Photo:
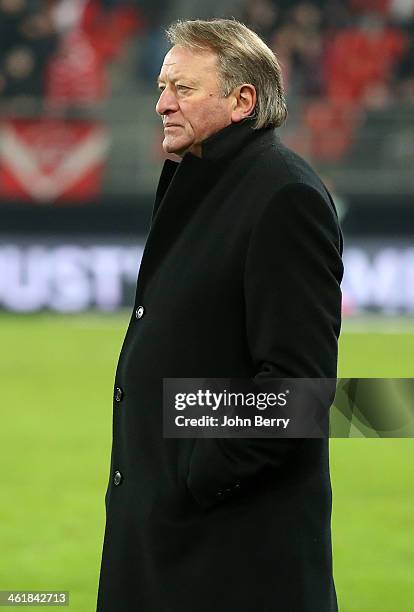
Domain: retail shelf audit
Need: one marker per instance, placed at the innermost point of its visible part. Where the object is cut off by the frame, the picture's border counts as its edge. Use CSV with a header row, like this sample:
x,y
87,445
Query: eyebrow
x,y
178,78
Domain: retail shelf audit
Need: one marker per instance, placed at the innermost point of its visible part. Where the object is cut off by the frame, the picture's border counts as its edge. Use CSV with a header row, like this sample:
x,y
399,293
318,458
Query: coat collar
x,y
219,147
182,185
229,141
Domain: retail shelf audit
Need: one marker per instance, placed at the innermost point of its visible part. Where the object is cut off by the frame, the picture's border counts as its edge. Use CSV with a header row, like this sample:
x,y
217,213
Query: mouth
x,y
171,125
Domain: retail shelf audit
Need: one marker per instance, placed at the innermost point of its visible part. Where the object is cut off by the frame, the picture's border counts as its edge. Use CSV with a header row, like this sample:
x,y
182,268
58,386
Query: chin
x,y
175,148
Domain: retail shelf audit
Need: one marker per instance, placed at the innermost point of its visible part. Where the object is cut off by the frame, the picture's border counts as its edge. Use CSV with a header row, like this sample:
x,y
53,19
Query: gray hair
x,y
243,57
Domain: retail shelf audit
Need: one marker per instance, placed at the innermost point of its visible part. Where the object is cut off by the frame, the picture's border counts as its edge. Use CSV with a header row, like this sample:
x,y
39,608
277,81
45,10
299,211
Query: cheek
x,y
207,118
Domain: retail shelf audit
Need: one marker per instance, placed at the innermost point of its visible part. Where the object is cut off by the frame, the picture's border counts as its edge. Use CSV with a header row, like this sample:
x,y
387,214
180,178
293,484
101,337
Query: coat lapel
x,y
181,188
166,177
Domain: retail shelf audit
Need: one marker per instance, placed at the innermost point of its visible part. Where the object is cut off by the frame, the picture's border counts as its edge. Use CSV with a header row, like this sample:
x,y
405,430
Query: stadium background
x,y
80,155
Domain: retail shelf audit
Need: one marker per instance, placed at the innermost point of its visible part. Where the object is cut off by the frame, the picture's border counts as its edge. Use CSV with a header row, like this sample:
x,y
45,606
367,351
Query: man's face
x,y
190,102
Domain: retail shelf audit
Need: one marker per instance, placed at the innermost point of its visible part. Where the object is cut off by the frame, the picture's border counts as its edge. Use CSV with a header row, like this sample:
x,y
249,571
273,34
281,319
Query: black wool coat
x,y
240,277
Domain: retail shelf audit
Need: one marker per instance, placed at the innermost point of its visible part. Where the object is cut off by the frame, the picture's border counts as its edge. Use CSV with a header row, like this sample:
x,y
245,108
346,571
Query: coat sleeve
x,y
292,298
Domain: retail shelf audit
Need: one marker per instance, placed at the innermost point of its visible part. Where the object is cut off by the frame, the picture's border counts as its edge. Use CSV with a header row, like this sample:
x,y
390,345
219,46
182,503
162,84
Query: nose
x,y
167,102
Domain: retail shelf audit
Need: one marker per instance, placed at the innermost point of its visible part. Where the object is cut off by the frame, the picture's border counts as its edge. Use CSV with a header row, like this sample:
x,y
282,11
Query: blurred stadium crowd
x,y
355,51
58,50
338,57
342,57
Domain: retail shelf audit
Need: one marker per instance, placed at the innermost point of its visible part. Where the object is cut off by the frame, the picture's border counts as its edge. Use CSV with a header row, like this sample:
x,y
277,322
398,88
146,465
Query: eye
x,y
182,87
161,88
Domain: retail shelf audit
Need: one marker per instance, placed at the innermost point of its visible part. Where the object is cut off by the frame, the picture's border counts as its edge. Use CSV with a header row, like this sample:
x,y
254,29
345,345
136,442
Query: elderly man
x,y
240,277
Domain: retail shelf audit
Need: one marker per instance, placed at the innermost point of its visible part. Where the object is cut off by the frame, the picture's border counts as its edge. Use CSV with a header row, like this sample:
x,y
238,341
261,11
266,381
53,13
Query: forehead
x,y
187,62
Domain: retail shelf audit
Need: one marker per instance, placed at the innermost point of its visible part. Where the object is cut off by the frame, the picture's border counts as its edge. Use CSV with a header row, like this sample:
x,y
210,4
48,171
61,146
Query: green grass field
x,y
56,398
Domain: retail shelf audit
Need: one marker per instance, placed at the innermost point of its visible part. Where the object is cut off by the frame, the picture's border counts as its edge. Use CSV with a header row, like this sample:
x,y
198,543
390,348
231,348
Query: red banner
x,y
45,160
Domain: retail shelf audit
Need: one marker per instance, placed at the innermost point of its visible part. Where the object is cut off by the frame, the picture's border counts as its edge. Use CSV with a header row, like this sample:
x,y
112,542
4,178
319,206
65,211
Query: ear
x,y
243,102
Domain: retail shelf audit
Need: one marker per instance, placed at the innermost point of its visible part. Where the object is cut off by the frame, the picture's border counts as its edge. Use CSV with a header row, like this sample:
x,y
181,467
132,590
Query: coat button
x,y
119,394
139,313
117,478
